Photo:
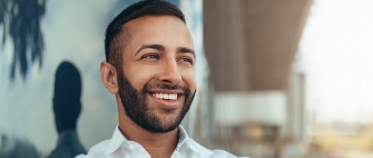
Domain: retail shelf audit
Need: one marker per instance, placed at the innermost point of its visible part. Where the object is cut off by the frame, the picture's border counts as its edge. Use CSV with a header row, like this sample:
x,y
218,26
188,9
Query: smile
x,y
167,99
168,96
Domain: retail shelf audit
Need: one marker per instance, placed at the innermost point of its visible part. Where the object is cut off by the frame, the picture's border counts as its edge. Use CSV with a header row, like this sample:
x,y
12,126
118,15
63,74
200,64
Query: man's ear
x,y
109,77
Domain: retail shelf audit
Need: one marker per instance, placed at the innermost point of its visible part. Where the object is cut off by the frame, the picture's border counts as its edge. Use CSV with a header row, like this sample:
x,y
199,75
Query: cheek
x,y
139,75
189,78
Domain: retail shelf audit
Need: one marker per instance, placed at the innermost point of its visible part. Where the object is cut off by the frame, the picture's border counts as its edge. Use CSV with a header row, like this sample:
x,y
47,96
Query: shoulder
x,y
195,149
97,150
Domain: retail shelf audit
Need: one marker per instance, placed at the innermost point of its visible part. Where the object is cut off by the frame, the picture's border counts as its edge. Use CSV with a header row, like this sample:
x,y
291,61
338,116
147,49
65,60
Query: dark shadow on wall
x,y
21,21
66,109
17,148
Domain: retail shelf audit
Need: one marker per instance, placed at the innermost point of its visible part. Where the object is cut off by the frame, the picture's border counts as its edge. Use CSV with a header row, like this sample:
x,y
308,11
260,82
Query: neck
x,y
156,144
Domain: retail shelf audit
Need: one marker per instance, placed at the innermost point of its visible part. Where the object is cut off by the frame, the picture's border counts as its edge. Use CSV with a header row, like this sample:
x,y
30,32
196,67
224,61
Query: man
x,y
150,70
66,109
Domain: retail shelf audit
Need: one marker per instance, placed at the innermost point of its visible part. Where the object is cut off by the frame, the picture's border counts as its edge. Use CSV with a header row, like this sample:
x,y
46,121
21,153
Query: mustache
x,y
165,86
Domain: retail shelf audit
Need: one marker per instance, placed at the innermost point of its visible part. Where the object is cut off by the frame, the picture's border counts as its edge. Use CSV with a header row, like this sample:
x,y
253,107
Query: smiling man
x,y
150,68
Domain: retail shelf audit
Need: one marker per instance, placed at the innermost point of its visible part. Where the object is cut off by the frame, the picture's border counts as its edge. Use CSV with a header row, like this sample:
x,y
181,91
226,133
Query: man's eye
x,y
150,56
185,59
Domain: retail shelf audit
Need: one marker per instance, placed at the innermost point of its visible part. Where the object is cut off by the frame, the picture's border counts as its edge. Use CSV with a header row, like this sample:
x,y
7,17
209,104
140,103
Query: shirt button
x,y
131,146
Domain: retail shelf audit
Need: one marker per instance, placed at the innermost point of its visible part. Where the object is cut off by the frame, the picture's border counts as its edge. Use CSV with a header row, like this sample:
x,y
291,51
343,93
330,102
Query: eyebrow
x,y
152,46
162,48
186,50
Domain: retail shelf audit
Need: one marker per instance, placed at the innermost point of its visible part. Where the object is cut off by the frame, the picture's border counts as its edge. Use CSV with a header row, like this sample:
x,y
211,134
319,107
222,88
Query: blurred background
x,y
276,78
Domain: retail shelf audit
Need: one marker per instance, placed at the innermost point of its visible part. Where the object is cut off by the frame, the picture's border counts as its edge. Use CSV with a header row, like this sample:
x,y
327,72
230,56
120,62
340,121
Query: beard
x,y
151,118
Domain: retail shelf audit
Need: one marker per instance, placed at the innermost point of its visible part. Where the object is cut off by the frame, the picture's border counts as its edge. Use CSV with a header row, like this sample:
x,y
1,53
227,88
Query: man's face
x,y
158,82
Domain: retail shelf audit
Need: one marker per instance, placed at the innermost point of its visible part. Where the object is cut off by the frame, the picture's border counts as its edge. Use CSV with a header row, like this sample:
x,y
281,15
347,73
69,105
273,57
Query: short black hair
x,y
117,36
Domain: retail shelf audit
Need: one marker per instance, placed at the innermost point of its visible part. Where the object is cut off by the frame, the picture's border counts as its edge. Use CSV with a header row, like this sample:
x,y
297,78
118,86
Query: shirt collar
x,y
183,136
115,141
118,138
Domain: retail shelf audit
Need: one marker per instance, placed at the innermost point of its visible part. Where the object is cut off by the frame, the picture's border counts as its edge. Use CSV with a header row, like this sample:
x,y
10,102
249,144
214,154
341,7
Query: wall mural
x,y
28,42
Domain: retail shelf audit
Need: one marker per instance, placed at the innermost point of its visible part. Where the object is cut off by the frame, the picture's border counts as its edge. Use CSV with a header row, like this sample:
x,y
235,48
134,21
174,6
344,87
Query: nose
x,y
170,73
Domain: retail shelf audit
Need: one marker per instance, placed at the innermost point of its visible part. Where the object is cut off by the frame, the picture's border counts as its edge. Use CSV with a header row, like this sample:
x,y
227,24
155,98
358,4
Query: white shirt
x,y
120,147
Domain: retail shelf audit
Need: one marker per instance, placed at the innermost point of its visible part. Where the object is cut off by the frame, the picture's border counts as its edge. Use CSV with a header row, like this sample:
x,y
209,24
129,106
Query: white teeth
x,y
174,96
165,96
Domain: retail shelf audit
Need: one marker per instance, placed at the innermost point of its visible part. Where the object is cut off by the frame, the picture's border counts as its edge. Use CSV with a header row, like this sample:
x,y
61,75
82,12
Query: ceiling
x,y
250,44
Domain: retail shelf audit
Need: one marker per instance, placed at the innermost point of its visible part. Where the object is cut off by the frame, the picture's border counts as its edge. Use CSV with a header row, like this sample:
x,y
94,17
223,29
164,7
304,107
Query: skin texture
x,y
172,65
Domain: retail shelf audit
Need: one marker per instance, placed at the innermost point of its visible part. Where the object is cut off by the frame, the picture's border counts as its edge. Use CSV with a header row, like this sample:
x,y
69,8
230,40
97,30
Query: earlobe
x,y
109,77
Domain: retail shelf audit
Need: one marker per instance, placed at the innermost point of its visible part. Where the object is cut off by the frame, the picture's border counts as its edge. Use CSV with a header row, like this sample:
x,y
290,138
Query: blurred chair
x,y
66,108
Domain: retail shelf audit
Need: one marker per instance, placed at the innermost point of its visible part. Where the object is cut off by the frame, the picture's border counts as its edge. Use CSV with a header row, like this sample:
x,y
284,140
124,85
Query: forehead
x,y
168,31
